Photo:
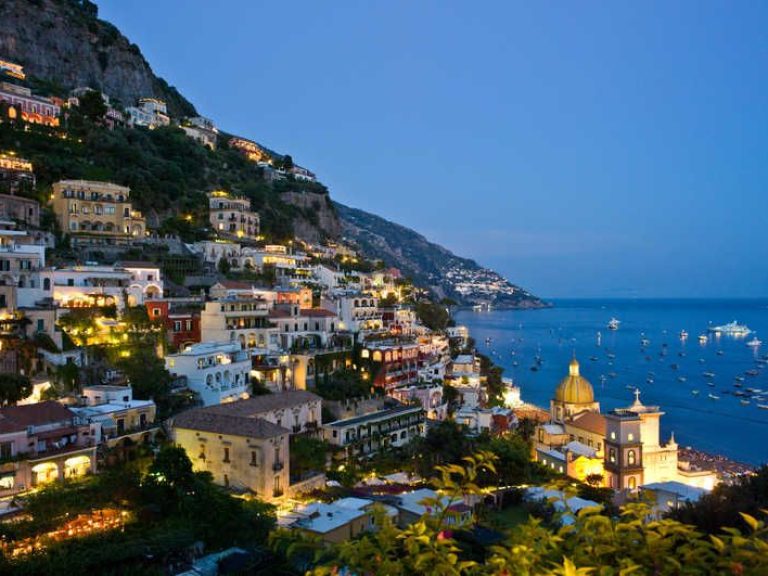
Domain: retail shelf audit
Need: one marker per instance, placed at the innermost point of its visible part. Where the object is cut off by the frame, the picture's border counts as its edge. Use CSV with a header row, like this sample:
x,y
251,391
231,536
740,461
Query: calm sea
x,y
619,363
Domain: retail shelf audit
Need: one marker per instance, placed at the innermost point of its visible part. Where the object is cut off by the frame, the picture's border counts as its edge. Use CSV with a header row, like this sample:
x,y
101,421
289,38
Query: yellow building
x,y
242,452
623,446
232,215
96,213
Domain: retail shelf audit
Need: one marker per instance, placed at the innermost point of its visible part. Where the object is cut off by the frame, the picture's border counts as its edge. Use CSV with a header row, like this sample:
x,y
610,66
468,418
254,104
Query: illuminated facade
x,y
250,150
16,174
201,130
239,319
22,105
217,372
232,215
392,365
96,213
40,444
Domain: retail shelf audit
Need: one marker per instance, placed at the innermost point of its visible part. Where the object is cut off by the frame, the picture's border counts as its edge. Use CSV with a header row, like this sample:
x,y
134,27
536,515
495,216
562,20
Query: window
x,y
150,277
630,437
6,449
226,453
631,457
253,458
110,210
202,452
155,311
612,455
177,325
613,435
40,325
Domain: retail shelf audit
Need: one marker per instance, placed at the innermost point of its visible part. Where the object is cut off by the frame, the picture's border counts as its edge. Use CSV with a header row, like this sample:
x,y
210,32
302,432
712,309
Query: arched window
x,y
632,483
631,457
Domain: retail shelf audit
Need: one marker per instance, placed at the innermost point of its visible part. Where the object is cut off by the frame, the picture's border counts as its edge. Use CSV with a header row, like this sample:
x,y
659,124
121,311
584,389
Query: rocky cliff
x,y
63,45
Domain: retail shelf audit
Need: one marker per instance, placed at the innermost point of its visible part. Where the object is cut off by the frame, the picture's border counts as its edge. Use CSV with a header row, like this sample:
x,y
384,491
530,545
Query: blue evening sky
x,y
579,148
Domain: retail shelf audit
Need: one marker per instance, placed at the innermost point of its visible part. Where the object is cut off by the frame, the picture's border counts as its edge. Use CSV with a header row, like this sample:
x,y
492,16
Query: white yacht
x,y
703,338
731,329
613,324
754,343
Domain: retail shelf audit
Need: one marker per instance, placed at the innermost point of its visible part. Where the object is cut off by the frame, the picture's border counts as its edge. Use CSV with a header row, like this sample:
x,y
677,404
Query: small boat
x,y
738,384
612,374
674,366
613,324
683,335
515,363
681,354
649,380
754,343
711,384
739,378
611,356
701,360
703,338
534,368
708,374
695,392
644,342
629,387
763,406
744,402
594,358
682,379
752,372
720,352
713,397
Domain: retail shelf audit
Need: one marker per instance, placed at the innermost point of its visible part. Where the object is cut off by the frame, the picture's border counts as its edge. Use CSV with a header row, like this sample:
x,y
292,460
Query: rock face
x,y
316,217
64,44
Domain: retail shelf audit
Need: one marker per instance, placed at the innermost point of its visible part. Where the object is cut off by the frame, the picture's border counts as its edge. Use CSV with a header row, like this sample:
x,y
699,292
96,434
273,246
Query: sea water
x,y
616,363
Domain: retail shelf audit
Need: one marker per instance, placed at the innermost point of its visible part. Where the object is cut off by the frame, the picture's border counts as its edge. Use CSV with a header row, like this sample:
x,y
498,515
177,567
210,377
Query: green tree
x,y
13,388
92,106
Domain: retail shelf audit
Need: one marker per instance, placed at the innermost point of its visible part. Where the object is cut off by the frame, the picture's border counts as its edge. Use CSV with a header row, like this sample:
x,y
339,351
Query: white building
x,y
218,372
364,435
243,320
358,312
429,396
113,413
201,130
150,112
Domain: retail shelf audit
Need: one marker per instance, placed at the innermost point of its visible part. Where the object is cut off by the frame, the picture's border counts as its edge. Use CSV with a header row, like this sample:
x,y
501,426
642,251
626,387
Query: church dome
x,y
574,388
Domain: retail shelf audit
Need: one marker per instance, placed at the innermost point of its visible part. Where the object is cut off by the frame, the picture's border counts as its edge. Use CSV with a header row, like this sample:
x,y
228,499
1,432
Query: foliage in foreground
x,y
594,544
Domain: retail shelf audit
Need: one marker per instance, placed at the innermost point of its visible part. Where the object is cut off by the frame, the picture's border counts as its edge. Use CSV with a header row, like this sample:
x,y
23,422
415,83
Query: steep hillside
x,y
430,264
63,45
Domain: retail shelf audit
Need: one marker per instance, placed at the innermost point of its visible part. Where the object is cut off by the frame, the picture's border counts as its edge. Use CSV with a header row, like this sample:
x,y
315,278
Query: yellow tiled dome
x,y
574,388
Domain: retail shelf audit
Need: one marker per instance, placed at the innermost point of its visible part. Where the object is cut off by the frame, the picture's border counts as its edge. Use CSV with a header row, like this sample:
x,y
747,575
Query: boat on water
x,y
713,397
752,372
682,379
708,374
763,406
695,392
720,352
739,378
594,358
613,324
754,343
744,402
644,342
703,338
731,329
683,335
674,366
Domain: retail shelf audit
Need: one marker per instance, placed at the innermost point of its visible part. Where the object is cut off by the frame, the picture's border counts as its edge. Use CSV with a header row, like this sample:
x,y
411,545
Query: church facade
x,y
621,449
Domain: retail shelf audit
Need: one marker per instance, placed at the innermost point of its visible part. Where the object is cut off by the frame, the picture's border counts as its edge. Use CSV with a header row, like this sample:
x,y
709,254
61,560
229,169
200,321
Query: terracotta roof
x,y
252,407
589,421
235,284
205,421
17,418
137,264
279,313
317,313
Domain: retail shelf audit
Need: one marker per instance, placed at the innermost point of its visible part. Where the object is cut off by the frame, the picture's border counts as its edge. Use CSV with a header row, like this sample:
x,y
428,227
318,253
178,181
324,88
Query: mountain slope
x,y
63,45
429,264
